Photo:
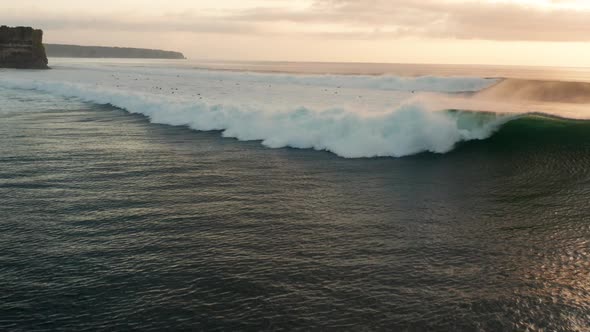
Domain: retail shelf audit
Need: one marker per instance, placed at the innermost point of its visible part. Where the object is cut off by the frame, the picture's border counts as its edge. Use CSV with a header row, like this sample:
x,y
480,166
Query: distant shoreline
x,y
77,51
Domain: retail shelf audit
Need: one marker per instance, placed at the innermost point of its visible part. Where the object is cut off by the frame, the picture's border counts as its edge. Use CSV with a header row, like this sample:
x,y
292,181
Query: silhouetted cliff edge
x,y
75,51
22,47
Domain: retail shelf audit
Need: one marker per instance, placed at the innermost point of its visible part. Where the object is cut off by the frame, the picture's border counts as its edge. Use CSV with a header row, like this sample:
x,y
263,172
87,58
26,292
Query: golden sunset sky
x,y
520,32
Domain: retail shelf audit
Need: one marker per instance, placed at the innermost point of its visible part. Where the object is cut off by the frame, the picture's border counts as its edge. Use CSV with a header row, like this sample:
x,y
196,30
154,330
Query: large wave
x,y
405,130
351,116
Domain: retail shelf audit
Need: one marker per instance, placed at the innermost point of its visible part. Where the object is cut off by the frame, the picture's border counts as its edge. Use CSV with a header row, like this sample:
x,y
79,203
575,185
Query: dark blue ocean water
x,y
109,222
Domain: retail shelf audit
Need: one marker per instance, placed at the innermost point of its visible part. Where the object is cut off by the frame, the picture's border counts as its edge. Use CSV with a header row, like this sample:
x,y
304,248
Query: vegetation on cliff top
x,y
75,51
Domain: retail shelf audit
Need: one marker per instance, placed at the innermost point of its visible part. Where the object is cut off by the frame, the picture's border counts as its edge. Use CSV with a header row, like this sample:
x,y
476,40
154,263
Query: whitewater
x,y
352,116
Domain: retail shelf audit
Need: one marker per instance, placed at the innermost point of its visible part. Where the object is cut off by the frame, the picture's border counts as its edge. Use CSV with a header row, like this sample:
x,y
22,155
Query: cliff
x,y
75,51
22,47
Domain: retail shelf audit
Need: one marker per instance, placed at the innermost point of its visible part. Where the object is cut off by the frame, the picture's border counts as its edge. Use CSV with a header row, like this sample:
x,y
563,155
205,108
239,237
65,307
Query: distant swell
x,y
376,82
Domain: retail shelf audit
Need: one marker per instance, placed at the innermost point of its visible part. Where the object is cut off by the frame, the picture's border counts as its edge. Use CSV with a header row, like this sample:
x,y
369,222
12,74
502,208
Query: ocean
x,y
176,195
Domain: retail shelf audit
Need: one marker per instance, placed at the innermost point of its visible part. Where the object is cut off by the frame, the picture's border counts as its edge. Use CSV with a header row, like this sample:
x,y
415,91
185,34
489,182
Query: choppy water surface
x,y
111,222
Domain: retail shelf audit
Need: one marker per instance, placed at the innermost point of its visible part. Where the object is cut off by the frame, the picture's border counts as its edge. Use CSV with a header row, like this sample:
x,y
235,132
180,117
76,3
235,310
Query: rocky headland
x,y
76,51
22,47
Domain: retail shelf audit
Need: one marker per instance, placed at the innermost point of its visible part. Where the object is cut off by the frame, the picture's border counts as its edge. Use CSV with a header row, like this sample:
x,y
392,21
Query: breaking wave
x,y
407,128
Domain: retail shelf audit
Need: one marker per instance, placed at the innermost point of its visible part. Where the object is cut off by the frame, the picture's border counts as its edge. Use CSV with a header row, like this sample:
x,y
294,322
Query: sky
x,y
518,32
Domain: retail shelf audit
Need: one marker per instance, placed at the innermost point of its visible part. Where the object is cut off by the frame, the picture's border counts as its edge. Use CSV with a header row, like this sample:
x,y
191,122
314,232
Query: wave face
x,y
537,131
351,116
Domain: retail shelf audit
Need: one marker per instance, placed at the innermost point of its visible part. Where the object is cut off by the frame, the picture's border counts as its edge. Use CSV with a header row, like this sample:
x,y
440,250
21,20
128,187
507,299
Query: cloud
x,y
186,22
439,19
349,19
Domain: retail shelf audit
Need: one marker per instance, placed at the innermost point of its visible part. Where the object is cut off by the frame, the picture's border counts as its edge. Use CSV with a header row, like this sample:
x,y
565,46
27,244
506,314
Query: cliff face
x,y
22,47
